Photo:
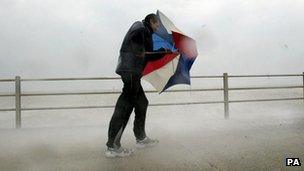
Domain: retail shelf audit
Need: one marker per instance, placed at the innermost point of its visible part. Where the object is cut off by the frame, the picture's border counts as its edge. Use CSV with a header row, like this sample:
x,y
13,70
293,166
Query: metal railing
x,y
18,93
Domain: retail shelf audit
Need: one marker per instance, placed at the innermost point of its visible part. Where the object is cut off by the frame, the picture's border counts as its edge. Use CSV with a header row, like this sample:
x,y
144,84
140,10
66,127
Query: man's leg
x,y
122,112
141,105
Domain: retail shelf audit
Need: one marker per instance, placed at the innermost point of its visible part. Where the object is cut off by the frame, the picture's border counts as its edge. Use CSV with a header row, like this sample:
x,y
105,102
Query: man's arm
x,y
138,47
155,56
137,42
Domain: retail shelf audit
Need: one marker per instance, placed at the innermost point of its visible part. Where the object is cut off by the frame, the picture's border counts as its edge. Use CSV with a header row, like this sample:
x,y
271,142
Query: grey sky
x,y
50,38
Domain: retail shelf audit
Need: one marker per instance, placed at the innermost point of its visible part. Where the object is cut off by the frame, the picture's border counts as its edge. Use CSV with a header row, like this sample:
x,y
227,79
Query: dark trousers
x,y
132,96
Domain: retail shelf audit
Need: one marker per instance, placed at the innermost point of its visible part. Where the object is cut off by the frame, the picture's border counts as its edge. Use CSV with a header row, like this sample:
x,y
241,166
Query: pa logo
x,y
293,162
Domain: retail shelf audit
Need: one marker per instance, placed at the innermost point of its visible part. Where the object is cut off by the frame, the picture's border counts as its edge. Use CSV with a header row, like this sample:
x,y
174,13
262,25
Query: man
x,y
134,55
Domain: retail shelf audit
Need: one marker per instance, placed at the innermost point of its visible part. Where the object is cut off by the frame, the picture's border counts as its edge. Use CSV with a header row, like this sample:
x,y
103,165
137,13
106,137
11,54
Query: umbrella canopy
x,y
173,68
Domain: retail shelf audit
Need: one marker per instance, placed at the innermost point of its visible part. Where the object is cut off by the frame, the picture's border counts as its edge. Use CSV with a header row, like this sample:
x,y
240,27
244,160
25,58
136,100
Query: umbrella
x,y
173,68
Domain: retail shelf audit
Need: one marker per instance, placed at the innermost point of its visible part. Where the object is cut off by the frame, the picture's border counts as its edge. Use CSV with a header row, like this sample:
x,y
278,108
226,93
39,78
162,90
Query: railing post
x,y
226,99
18,101
303,84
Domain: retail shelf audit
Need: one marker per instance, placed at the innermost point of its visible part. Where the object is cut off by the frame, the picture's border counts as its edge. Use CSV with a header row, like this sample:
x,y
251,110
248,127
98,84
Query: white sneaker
x,y
118,152
146,142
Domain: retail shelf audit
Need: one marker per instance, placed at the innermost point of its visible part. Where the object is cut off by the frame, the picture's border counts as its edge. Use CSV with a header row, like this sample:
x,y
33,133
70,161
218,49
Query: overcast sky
x,y
50,38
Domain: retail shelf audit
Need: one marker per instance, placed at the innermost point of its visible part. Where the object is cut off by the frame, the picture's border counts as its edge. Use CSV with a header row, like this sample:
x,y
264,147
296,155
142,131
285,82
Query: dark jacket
x,y
137,40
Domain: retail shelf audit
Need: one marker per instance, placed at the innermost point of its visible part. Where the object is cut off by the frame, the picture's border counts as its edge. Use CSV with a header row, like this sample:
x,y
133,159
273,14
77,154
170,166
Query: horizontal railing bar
x,y
257,100
97,78
10,109
67,79
210,76
161,104
114,92
153,91
112,106
4,95
149,91
275,75
185,90
75,107
71,93
253,88
114,78
156,104
7,80
185,103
